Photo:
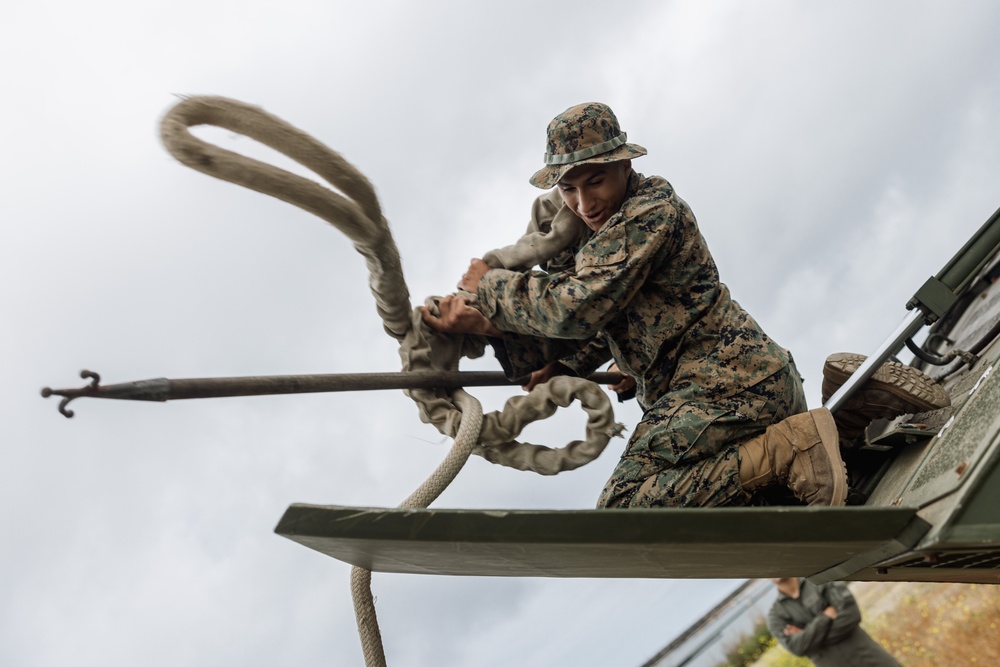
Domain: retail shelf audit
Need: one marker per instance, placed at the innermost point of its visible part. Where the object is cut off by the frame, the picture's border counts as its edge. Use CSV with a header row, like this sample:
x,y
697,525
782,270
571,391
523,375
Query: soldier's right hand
x,y
623,386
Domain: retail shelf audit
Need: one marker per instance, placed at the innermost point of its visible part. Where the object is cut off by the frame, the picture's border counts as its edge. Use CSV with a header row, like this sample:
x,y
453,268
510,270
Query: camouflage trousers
x,y
685,451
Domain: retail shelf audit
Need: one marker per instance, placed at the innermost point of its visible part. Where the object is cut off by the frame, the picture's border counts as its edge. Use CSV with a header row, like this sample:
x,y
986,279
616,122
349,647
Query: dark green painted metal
x,y
935,297
900,544
973,256
635,543
970,259
977,523
929,574
957,448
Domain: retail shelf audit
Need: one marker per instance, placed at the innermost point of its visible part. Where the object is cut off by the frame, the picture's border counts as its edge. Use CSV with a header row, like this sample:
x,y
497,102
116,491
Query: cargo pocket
x,y
694,430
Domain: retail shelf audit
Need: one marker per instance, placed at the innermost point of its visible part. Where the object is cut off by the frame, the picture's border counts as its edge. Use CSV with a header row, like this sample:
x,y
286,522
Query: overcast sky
x,y
835,154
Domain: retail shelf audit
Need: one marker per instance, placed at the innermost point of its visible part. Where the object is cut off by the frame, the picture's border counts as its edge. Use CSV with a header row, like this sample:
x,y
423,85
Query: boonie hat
x,y
582,134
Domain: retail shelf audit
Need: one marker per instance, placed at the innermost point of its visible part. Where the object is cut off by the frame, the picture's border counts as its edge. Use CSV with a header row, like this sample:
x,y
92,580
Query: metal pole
x,y
164,389
931,302
912,323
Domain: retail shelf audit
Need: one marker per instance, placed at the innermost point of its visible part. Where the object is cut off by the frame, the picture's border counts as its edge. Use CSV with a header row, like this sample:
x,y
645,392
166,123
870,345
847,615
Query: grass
x,y
923,625
750,647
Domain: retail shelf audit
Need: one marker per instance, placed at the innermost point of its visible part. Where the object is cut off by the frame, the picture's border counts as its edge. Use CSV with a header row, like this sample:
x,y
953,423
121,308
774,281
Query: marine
x,y
724,411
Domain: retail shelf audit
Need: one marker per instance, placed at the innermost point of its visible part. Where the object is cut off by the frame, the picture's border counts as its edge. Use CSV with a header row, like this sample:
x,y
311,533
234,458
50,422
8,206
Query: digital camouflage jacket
x,y
643,290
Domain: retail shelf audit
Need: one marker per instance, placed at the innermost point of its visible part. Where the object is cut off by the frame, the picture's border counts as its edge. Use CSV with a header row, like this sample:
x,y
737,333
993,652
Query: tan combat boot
x,y
801,452
892,391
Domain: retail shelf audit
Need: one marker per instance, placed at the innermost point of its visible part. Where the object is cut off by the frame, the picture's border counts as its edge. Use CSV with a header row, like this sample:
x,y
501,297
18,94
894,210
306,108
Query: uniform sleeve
x,y
811,639
848,614
589,358
520,355
577,303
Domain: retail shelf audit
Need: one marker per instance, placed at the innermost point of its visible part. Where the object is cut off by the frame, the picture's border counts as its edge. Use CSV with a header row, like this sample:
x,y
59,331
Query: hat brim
x,y
549,175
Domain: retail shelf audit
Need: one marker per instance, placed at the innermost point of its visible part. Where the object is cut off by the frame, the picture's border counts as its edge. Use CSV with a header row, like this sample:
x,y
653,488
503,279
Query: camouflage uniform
x,y
645,291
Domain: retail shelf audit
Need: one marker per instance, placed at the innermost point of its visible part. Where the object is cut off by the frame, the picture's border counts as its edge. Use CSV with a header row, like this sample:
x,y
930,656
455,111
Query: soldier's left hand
x,y
458,317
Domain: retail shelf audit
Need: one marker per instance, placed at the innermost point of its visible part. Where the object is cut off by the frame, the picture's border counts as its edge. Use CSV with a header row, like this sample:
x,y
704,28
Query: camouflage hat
x,y
582,134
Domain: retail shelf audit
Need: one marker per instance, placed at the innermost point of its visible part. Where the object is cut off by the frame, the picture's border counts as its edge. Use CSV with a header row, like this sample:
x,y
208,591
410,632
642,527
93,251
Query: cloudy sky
x,y
836,154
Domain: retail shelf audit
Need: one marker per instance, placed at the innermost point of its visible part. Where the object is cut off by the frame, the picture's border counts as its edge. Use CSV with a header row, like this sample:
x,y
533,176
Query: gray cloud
x,y
835,157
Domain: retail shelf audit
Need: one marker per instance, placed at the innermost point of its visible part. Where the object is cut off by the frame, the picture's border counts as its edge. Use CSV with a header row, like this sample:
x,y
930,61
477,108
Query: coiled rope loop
x,y
358,215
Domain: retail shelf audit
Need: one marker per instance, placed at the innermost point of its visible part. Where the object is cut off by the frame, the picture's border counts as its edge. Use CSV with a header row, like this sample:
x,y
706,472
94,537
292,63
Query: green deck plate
x,y
740,542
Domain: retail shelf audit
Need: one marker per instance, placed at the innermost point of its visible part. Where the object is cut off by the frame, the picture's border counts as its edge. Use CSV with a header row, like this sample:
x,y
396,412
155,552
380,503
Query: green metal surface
x,y
973,256
634,543
932,511
963,441
936,297
977,523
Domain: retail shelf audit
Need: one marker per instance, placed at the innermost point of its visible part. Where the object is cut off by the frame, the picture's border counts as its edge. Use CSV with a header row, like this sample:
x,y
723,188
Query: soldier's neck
x,y
790,587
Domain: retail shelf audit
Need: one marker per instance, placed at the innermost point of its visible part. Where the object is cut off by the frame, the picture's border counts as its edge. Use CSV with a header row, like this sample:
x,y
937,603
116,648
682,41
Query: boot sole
x,y
830,440
904,382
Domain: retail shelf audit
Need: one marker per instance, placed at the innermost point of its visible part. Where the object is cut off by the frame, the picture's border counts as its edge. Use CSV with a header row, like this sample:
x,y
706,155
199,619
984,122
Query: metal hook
x,y
68,414
95,379
69,394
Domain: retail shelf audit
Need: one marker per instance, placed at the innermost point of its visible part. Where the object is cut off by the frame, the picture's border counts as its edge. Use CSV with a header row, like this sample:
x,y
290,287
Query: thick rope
x,y
426,493
364,613
359,216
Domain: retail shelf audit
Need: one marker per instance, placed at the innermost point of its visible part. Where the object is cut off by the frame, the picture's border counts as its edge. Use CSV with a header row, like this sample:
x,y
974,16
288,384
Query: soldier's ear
x,y
626,166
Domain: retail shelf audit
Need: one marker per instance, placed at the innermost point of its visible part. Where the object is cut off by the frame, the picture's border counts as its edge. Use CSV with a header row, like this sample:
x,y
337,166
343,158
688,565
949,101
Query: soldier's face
x,y
595,192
